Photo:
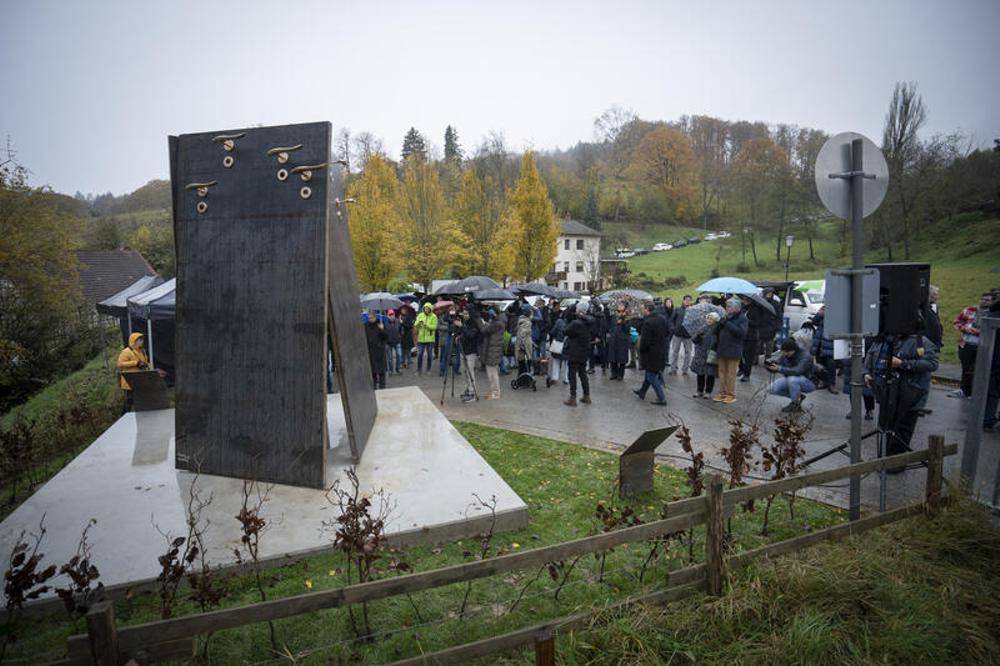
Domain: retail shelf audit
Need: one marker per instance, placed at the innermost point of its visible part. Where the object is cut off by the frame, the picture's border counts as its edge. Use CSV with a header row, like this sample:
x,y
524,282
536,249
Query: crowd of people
x,y
538,338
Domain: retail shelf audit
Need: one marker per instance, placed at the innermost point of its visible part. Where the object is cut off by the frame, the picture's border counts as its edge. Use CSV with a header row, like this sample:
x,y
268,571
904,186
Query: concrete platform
x,y
126,481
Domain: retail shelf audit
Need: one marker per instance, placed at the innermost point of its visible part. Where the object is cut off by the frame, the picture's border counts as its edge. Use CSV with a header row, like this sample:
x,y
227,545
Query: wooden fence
x,y
106,644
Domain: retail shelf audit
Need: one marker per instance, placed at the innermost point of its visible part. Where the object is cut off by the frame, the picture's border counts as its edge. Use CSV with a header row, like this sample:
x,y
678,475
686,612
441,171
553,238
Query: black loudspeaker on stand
x,y
904,303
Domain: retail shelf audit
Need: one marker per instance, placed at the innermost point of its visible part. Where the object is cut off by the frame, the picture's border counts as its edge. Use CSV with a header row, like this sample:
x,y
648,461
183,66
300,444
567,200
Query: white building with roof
x,y
577,266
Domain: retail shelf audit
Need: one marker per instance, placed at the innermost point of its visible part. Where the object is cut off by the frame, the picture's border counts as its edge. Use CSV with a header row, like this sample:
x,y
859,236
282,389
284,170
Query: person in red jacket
x,y
967,324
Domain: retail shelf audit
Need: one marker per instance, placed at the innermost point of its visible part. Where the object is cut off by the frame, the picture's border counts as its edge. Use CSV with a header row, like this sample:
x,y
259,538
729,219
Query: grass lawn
x,y
962,255
63,419
561,483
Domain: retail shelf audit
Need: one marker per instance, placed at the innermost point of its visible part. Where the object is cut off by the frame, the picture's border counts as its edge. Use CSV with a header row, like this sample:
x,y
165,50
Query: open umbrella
x,y
637,294
536,288
446,289
564,293
729,285
761,301
468,285
694,317
407,297
441,306
493,295
380,300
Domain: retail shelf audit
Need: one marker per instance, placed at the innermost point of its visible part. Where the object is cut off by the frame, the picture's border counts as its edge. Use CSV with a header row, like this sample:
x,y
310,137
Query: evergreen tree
x,y
534,223
590,216
414,144
452,150
374,221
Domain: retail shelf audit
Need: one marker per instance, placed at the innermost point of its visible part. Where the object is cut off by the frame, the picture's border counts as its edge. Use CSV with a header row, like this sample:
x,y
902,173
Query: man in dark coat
x,y
729,349
376,338
406,319
795,367
899,369
681,339
576,350
822,351
652,354
491,327
619,341
393,343
751,343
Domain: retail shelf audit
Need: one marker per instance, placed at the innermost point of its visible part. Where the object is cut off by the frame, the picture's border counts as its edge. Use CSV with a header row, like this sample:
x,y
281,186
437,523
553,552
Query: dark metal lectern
x,y
264,275
635,466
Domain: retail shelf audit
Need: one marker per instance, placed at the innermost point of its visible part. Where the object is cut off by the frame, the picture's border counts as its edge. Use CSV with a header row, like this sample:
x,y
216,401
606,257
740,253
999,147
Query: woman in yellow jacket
x,y
131,359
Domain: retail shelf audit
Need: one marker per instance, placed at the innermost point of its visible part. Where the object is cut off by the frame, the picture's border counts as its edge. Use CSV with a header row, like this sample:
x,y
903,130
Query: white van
x,y
803,301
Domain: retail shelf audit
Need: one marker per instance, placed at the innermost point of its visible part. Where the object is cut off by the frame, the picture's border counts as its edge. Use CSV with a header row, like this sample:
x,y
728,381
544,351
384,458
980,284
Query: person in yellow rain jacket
x,y
131,359
426,327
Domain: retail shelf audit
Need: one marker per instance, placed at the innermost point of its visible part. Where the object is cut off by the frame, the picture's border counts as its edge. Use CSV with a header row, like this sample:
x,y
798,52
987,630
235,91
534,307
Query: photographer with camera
x,y
491,327
795,365
899,369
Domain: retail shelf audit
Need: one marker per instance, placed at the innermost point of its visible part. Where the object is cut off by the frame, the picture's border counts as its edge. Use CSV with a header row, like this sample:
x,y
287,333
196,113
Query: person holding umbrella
x,y
681,339
729,349
393,343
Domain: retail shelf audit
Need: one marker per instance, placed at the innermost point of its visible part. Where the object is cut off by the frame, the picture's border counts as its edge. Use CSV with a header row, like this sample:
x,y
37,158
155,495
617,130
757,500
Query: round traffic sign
x,y
835,158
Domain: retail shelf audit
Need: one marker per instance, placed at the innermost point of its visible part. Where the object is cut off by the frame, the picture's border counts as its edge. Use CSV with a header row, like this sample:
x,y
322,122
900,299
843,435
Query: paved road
x,y
617,417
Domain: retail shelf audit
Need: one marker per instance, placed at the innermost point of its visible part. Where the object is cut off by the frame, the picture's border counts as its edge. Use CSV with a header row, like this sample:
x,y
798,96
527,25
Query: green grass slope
x,y
963,254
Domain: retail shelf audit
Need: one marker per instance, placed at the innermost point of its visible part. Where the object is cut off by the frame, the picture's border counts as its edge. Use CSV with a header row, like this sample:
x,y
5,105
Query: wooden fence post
x,y
935,472
102,633
545,648
714,536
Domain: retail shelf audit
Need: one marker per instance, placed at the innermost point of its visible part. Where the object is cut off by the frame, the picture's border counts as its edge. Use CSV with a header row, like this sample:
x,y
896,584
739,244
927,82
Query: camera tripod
x,y
457,353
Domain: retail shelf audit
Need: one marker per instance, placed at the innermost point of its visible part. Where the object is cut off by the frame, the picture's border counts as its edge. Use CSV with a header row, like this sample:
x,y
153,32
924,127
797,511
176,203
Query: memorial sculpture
x,y
265,281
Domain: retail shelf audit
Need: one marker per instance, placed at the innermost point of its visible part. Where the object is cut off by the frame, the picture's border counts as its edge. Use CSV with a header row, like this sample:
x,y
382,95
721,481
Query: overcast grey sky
x,y
90,90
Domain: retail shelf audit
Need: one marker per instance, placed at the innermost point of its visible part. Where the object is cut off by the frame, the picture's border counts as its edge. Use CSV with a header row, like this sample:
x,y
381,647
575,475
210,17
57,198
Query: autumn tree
x,y
43,330
664,159
902,147
489,250
374,222
365,146
342,147
433,242
533,221
759,168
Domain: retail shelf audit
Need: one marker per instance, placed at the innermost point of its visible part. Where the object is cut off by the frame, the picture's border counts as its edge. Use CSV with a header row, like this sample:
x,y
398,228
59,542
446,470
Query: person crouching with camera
x,y
795,366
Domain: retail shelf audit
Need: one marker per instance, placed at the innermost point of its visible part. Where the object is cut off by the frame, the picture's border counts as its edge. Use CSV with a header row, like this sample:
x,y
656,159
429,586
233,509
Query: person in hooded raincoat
x,y
131,359
426,327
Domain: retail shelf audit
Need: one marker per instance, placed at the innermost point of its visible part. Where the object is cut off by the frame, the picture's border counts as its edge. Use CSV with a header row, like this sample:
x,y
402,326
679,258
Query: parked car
x,y
801,299
723,234
710,237
660,247
625,254
693,240
641,251
680,243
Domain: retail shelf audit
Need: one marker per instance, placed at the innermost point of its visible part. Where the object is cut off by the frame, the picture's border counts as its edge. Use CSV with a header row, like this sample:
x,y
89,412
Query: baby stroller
x,y
524,380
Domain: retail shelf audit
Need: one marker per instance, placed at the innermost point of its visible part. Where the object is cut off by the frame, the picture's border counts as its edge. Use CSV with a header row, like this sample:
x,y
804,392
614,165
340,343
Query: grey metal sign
x,y
835,158
837,303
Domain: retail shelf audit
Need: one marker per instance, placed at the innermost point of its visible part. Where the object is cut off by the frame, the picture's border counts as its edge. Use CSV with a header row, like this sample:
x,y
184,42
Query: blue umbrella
x,y
729,285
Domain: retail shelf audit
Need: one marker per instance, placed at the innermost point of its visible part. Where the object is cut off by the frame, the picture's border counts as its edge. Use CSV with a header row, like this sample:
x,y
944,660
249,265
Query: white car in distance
x,y
660,247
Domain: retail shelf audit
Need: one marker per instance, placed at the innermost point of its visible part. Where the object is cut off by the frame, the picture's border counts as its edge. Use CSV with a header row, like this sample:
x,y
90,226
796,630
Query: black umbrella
x,y
761,301
493,295
445,290
468,285
536,288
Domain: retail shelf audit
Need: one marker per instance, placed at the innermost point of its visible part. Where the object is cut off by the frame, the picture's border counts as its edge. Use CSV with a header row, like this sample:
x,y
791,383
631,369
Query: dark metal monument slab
x,y
264,274
635,465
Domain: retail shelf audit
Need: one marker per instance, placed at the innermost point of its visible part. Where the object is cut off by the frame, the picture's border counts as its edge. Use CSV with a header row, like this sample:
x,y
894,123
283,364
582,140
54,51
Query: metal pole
x,y
988,329
857,379
149,340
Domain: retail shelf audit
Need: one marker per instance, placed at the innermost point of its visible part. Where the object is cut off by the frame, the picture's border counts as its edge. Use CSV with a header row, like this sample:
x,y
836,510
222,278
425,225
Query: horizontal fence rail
x,y
171,639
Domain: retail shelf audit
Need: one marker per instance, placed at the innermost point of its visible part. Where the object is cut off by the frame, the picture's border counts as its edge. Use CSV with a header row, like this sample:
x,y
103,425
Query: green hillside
x,y
963,254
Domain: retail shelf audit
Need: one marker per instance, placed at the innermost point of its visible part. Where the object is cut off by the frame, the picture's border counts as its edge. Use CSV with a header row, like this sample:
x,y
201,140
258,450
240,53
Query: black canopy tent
x,y
153,313
117,304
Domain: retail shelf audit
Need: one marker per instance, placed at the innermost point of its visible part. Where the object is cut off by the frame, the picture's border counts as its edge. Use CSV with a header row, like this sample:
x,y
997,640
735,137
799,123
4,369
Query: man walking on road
x,y
653,353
